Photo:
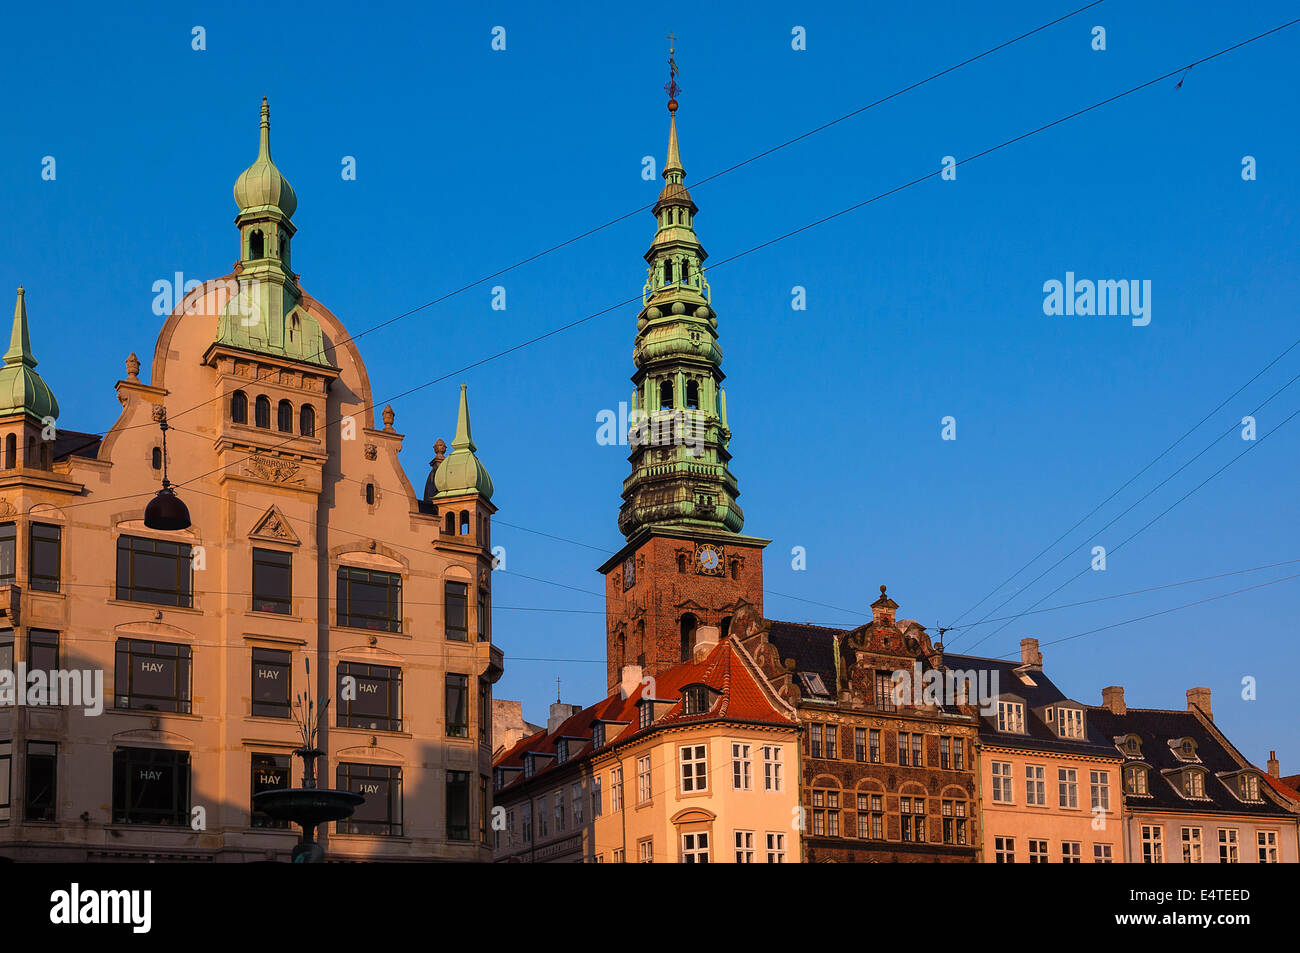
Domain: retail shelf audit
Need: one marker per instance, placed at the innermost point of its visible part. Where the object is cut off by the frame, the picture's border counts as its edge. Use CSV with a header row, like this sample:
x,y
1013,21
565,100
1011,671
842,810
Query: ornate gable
x,y
274,528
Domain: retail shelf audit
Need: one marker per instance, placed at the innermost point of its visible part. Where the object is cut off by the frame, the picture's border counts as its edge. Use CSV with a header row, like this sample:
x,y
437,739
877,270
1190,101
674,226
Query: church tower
x,y
686,568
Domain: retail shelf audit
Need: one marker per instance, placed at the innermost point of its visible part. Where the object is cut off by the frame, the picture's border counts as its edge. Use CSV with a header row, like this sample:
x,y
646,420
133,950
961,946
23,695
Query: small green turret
x,y
461,472
22,391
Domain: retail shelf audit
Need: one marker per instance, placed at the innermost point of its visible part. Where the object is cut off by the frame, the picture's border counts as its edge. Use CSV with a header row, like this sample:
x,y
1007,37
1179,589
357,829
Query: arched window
x,y
686,269
262,411
693,395
239,407
307,421
284,248
668,270
681,562
293,326
688,636
464,522
157,458
665,394
30,459
11,452
256,244
47,454
284,417
451,525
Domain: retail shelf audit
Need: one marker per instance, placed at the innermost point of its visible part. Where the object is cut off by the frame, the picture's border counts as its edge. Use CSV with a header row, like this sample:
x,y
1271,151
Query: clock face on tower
x,y
708,559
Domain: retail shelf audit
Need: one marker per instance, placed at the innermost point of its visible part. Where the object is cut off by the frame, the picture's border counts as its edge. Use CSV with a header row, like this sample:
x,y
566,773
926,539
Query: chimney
x,y
1112,699
706,640
629,680
1030,657
883,609
1274,769
560,713
1200,698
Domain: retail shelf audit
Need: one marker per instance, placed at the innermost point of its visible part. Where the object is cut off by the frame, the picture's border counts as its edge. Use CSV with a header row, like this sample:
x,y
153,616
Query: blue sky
x,y
925,304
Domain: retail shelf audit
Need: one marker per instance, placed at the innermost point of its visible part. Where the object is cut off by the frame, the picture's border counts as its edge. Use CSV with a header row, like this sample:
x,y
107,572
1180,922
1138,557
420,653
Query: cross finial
x,y
557,689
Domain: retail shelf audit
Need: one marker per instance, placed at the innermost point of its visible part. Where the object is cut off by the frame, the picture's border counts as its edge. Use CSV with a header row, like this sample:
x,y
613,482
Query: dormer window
x,y
1249,787
597,735
1135,779
1184,749
1069,722
1130,746
1194,784
695,700
645,714
499,778
562,751
1011,717
530,766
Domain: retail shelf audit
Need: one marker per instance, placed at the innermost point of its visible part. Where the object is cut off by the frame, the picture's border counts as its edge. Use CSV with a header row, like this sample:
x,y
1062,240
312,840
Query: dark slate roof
x,y
74,443
1156,728
809,646
1039,736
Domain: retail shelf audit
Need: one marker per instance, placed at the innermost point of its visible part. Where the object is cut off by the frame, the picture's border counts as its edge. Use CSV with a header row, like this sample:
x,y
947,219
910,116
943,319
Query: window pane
x,y
272,581
270,772
369,696
457,623
271,683
154,571
44,571
369,599
154,676
151,786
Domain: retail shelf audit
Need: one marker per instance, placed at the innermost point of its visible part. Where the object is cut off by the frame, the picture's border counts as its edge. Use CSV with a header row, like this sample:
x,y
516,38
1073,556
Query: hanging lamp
x,y
165,510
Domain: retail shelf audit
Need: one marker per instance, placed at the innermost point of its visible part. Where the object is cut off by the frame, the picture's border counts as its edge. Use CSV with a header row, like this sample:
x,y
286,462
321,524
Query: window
x,y
1002,782
483,811
526,821
42,651
616,789
815,741
239,407
617,856
154,571
912,813
695,700
1228,845
7,651
645,713
666,391
1192,845
874,736
597,802
645,853
1099,786
1194,784
559,811
155,458
744,847
1249,787
692,387
954,822
307,421
456,611
1035,785
1037,851
369,696
694,768
1070,722
695,848
256,244
775,847
945,752
381,812
42,773
832,736
772,780
482,620
272,581
1135,780
370,494
740,767
269,772
871,817
1153,848
859,744
597,734
561,750
484,710
262,412
369,599
8,553
457,705
910,749
687,628
271,683
45,546
1011,717
284,417
643,791
1071,852
153,676
885,691
151,786
1068,787
1004,850
1267,841
1101,854
959,754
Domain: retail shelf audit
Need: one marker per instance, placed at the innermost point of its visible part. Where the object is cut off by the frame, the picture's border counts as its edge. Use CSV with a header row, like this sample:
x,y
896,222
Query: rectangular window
x,y
833,813
456,611
643,790
42,773
645,714
874,737
482,620
369,696
1267,842
154,571
959,754
369,599
815,741
576,792
6,768
1068,787
1228,845
885,691
597,801
1035,785
832,741
269,772
45,547
272,581
775,847
541,816
1153,844
695,848
42,650
1002,782
526,821
918,758
152,676
483,810
1037,851
954,822
744,847
1011,717
1192,845
860,744
1004,850
151,786
1099,787
617,856
1071,722
904,749
559,811
1071,852
740,767
945,752
772,780
616,789
271,683
381,812
912,813
645,853
1101,854
7,654
695,775
8,554
484,710
456,705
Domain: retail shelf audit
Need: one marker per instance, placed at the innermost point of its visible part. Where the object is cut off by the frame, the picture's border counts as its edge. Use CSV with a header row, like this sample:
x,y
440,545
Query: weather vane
x,y
672,89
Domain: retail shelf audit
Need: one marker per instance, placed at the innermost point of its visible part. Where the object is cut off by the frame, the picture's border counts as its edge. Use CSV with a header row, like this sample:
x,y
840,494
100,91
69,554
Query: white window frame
x,y
1003,791
744,841
773,773
1153,844
693,765
1266,842
1067,783
1099,789
1011,717
741,767
775,847
1193,845
1035,785
1229,845
695,847
644,787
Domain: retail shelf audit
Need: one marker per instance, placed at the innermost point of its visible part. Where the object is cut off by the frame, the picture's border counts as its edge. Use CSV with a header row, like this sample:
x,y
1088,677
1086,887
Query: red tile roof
x,y
744,696
1282,788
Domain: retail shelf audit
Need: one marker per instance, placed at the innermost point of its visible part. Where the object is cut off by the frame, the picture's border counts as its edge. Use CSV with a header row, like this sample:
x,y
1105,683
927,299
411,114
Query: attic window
x,y
695,700
1024,677
529,766
597,735
1011,717
1069,722
645,714
1194,784
1249,787
813,684
1135,780
1184,749
562,751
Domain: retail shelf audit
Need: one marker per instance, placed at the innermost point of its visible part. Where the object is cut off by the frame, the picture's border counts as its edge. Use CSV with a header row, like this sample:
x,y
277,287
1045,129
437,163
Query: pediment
x,y
274,528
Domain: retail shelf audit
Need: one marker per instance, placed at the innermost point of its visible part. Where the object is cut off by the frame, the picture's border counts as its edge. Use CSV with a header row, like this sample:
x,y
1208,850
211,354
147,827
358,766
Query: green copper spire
x,y
22,391
680,477
462,473
266,315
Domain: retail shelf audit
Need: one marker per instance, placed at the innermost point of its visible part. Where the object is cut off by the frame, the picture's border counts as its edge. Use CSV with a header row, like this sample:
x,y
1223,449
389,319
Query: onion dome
x,y
22,391
262,186
461,473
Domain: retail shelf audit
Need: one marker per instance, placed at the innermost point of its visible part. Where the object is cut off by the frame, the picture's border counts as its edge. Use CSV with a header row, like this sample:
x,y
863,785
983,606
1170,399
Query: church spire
x,y
22,390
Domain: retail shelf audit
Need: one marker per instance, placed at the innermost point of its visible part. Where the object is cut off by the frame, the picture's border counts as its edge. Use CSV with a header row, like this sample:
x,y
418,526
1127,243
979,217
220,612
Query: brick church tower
x,y
686,568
